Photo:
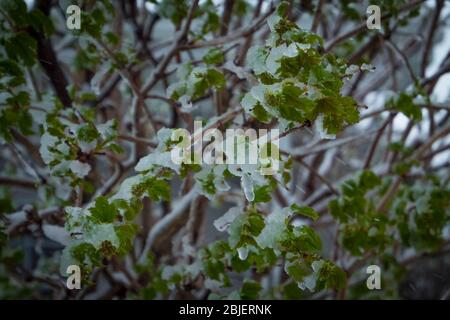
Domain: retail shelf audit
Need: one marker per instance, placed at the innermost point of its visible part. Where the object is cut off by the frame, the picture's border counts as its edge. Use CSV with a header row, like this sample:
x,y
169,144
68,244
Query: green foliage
x,y
297,83
305,211
288,82
362,227
195,82
422,212
405,104
103,212
214,56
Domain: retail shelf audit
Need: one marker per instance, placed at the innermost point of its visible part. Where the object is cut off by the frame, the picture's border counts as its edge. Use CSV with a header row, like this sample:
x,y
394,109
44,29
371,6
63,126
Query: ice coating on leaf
x,y
161,156
351,70
99,233
63,148
16,218
224,221
317,265
248,102
212,285
321,130
250,177
211,181
61,167
367,67
47,141
80,169
169,271
75,219
309,282
304,46
243,253
99,76
67,259
194,269
239,71
126,188
248,186
186,103
63,190
273,20
275,55
107,130
184,70
56,233
174,87
274,229
163,159
164,135
256,59
260,91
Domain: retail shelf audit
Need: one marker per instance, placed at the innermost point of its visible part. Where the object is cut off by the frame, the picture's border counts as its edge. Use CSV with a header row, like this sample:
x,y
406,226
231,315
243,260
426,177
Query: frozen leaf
x,y
308,282
367,67
161,159
99,76
248,187
47,141
323,134
274,229
239,71
79,168
56,233
256,59
273,60
214,56
126,188
351,70
224,221
305,211
98,233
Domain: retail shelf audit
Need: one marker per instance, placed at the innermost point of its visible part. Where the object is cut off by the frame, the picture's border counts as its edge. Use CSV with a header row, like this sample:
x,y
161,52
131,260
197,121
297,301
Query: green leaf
x,y
307,240
369,180
21,47
159,189
125,233
297,269
250,290
245,228
156,189
41,22
305,211
215,78
404,103
262,194
214,56
103,212
16,11
86,254
337,113
330,276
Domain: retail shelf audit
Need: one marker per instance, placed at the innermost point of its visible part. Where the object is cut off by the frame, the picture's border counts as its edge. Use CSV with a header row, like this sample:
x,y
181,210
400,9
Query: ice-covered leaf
x,y
224,221
80,169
